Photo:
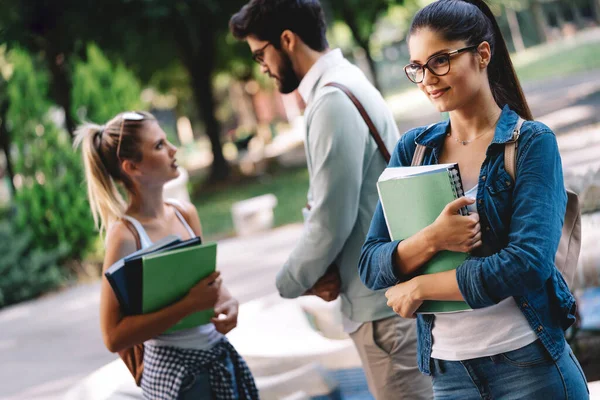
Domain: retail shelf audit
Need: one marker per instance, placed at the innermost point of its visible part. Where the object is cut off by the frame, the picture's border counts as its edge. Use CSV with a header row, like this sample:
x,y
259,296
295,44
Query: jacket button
x,y
483,178
507,183
525,305
480,201
487,228
540,328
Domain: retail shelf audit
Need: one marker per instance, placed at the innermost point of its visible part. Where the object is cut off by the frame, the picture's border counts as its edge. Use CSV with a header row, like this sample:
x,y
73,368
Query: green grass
x,y
288,185
560,60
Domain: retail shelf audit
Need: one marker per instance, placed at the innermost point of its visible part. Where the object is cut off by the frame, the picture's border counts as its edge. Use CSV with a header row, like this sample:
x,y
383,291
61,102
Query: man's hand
x,y
328,286
226,315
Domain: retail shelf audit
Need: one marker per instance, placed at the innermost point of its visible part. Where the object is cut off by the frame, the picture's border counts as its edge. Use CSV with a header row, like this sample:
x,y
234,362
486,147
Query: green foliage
x,y
50,198
102,89
26,270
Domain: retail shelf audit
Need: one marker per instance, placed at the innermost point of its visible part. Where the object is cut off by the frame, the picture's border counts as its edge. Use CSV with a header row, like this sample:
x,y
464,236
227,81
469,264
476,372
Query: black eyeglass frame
x,y
426,65
258,55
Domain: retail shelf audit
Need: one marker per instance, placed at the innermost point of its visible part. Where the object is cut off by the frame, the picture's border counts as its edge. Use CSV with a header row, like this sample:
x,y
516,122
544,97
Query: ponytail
x,y
106,202
502,76
474,22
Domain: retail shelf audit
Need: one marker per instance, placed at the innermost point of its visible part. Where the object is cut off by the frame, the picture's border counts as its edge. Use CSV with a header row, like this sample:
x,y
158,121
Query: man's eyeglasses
x,y
259,55
438,65
126,116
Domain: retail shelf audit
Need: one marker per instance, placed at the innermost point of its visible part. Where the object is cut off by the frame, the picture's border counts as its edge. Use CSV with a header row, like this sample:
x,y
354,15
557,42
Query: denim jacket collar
x,y
433,135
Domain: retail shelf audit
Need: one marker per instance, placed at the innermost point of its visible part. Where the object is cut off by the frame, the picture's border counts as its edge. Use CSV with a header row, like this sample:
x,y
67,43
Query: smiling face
x,y
465,79
275,63
158,164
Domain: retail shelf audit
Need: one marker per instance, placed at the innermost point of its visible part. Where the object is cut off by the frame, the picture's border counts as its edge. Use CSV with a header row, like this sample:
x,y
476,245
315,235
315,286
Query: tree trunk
x,y
205,102
5,145
577,16
196,42
61,86
372,66
541,25
596,5
515,30
362,43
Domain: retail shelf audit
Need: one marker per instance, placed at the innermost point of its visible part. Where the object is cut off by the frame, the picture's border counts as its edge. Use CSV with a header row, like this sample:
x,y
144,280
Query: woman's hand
x,y
226,315
403,298
454,232
204,294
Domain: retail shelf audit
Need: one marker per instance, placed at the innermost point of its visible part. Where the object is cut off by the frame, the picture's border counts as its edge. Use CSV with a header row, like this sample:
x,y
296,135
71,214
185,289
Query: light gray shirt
x,y
343,164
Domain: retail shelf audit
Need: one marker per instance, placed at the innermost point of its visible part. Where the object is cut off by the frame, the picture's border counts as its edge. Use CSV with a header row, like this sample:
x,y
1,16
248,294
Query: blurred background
x,y
64,62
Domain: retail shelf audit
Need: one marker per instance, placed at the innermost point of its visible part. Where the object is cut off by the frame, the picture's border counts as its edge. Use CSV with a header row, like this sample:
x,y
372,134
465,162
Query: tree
x,y
361,17
5,72
55,29
50,199
195,34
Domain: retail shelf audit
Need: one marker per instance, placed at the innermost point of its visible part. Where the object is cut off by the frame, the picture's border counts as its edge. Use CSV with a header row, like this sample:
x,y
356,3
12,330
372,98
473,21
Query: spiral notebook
x,y
412,198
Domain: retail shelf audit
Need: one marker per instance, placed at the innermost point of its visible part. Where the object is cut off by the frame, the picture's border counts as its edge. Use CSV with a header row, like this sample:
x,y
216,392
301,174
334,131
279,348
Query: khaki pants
x,y
388,350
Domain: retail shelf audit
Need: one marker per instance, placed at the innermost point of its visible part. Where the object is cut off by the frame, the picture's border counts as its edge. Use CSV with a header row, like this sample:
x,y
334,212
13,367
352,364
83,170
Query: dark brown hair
x,y
473,22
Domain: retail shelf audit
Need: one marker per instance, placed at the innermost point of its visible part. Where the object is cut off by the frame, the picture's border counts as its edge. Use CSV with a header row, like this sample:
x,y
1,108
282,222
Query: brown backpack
x,y
133,357
570,240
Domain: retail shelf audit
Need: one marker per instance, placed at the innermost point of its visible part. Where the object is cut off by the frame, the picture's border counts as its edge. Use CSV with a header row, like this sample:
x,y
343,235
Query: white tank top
x,y
483,332
202,337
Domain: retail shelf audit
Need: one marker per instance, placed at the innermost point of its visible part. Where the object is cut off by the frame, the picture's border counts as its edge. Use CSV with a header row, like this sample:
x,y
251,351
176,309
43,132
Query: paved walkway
x,y
49,344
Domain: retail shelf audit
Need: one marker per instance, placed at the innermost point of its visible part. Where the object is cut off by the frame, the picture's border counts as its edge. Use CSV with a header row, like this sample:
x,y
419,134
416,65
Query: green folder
x,y
168,276
412,198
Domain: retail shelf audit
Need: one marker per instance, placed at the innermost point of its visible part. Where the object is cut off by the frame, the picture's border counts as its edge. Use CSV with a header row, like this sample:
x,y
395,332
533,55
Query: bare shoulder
x,y
119,243
192,214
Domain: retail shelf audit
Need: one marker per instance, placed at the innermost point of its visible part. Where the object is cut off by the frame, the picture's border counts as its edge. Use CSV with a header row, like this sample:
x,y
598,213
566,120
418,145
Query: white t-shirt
x,y
483,332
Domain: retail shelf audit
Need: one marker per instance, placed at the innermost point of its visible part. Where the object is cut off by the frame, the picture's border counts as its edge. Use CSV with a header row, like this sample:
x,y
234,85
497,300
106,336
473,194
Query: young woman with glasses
x,y
198,363
511,345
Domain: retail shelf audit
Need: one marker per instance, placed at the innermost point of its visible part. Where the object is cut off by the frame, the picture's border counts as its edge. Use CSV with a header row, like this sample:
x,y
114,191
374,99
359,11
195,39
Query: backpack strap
x,y
179,207
372,129
510,150
418,155
134,232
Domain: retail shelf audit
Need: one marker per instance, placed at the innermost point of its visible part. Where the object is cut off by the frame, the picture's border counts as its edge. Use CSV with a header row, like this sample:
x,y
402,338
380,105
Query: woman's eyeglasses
x,y
126,116
438,65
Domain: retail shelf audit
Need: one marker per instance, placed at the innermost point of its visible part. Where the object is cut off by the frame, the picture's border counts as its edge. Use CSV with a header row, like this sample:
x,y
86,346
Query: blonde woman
x,y
199,363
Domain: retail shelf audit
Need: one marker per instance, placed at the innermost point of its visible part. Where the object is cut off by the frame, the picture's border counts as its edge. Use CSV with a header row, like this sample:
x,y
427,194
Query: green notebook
x,y
412,198
168,276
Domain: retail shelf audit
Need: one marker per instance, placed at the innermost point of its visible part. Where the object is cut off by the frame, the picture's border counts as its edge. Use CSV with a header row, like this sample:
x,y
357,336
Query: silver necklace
x,y
466,142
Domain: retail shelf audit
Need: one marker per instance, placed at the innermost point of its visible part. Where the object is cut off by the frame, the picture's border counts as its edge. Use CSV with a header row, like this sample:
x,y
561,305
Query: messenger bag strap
x,y
382,149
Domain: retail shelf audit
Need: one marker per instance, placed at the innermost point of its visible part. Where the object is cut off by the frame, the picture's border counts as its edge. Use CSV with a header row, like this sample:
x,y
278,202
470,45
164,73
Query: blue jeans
x,y
197,387
526,373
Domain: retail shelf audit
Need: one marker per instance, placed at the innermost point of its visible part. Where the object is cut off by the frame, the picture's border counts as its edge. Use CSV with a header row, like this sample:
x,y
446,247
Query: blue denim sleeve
x,y
538,208
376,266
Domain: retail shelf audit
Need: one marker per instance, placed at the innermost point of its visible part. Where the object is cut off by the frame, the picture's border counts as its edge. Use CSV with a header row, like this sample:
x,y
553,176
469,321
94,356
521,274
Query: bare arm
x,y
121,332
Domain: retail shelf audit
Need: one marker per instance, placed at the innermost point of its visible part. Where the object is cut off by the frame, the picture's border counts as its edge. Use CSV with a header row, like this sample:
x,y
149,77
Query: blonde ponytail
x,y
106,202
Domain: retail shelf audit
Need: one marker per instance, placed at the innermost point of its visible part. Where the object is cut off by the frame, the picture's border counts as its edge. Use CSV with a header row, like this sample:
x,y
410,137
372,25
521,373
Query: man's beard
x,y
288,81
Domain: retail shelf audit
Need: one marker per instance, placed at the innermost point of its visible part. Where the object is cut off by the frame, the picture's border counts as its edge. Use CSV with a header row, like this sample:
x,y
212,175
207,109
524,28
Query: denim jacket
x,y
521,224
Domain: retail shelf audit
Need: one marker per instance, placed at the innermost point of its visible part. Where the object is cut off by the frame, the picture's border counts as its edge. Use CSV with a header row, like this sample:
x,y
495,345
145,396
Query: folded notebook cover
x,y
168,276
412,198
116,275
134,272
